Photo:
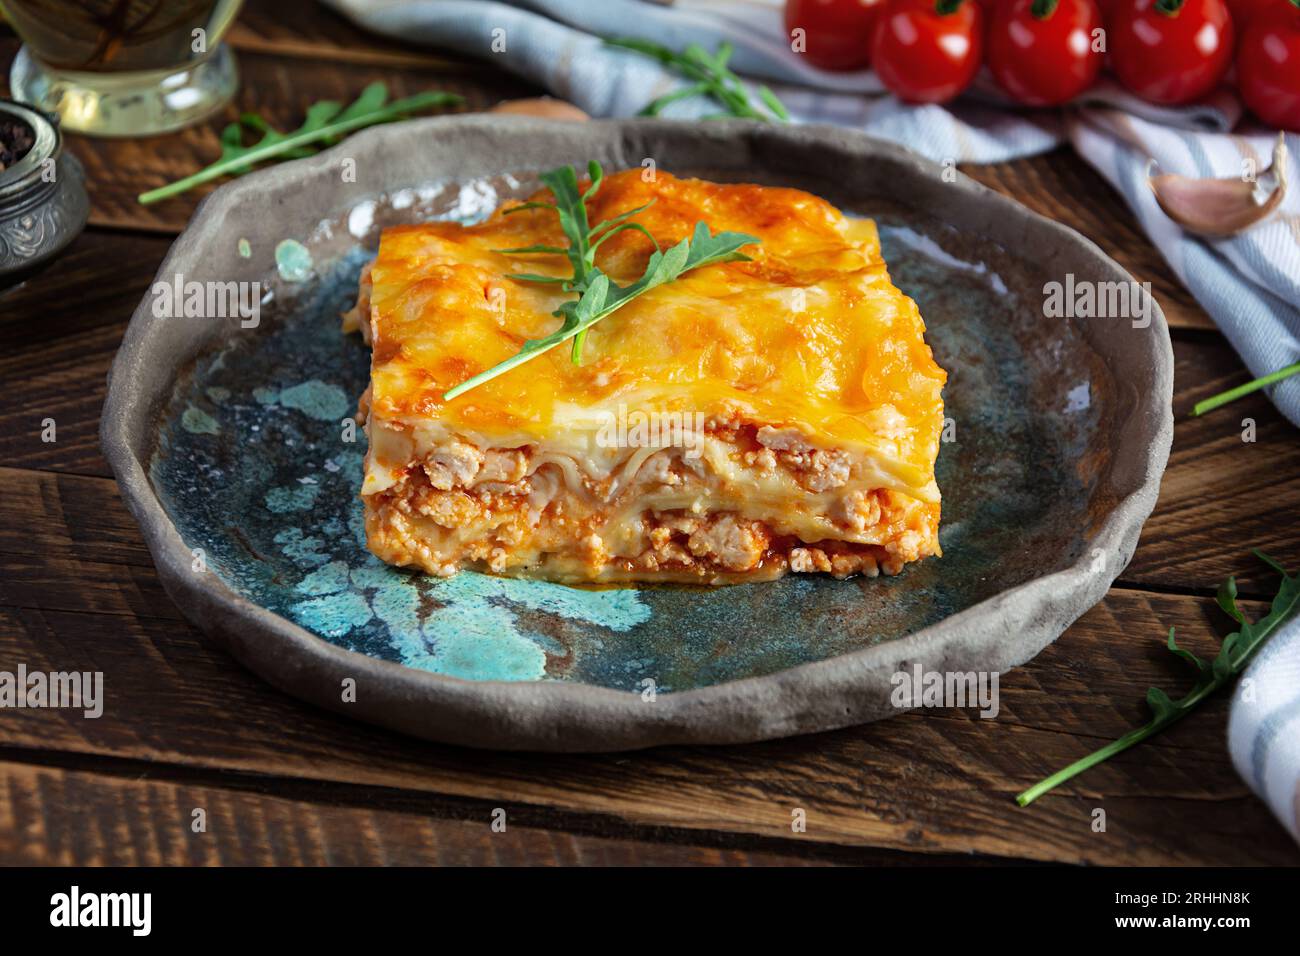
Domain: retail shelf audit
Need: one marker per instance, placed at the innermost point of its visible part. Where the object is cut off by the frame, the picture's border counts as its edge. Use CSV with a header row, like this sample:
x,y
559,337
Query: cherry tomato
x,y
1268,65
837,33
928,51
1171,51
1244,10
1041,51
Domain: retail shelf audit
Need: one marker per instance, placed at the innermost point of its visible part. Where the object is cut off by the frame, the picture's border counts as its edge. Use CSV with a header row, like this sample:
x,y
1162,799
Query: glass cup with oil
x,y
123,67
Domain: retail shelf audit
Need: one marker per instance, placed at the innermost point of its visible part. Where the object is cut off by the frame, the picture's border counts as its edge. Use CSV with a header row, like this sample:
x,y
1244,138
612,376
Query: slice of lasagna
x,y
747,419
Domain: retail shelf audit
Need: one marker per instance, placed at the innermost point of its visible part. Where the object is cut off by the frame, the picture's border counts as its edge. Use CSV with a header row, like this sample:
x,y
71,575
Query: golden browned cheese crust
x,y
794,407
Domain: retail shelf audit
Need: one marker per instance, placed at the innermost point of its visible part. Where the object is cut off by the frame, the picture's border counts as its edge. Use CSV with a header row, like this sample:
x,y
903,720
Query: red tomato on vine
x,y
1268,65
1042,52
1171,51
1243,11
928,51
836,33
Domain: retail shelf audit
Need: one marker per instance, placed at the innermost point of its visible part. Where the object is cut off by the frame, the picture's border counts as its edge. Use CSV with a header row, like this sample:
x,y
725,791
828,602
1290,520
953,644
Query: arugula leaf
x,y
712,78
597,295
1232,394
326,123
1234,654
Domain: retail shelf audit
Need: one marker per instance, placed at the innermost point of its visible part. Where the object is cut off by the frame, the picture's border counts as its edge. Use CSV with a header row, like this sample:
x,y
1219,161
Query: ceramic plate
x,y
234,451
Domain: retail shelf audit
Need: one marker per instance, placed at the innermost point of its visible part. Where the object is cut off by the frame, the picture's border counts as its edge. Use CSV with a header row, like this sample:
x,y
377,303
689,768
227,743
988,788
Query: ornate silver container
x,y
43,204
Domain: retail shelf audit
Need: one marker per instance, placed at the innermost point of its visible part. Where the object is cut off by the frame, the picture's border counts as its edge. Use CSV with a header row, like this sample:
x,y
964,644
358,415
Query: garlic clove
x,y
543,107
1219,208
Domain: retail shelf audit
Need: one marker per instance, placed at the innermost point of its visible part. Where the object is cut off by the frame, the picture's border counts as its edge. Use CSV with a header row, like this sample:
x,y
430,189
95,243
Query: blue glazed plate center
x,y
259,471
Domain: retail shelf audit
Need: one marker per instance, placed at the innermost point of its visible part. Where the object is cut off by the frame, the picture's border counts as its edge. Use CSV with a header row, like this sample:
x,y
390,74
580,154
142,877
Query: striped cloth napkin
x,y
1264,726
1249,284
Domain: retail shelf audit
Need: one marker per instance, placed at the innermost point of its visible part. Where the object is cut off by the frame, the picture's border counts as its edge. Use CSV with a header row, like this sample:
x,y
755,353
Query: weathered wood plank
x,y
1222,494
934,782
66,520
59,331
51,816
84,586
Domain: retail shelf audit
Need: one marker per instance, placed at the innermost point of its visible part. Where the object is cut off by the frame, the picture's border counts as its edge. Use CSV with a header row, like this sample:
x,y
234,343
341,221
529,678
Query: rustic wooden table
x,y
284,783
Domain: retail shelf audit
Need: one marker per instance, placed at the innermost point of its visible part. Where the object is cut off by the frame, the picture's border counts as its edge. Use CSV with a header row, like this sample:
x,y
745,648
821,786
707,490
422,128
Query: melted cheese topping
x,y
810,335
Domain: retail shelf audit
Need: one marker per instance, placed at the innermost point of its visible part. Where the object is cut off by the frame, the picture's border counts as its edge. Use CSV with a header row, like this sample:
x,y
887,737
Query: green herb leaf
x,y
597,295
1200,665
1236,651
326,123
712,78
1227,598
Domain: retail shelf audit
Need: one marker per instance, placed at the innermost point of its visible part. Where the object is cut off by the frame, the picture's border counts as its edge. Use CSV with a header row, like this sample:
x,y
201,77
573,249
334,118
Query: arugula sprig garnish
x,y
1234,654
597,295
712,78
326,123
1232,394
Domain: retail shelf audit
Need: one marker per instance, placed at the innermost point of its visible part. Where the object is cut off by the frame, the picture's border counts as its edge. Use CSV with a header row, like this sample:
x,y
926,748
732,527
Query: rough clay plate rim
x,y
996,634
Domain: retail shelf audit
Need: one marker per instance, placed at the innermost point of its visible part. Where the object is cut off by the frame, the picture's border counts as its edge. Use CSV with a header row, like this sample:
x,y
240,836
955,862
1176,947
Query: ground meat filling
x,y
728,542
487,505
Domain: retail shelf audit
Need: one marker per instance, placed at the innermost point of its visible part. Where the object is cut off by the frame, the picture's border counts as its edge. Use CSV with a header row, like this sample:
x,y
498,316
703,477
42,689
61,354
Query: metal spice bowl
x,y
43,204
